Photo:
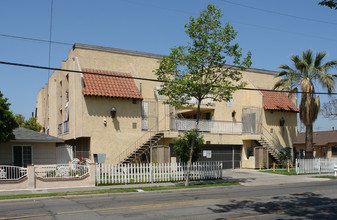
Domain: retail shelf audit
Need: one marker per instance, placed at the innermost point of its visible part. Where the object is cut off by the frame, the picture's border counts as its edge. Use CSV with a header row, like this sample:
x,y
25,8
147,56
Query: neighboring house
x,y
30,147
325,144
119,118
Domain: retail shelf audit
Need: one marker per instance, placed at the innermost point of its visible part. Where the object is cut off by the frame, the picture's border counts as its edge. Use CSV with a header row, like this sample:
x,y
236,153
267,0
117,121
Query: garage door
x,y
230,155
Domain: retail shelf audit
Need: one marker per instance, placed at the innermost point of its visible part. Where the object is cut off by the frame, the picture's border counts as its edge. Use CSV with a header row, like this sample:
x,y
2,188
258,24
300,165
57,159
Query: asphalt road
x,y
310,200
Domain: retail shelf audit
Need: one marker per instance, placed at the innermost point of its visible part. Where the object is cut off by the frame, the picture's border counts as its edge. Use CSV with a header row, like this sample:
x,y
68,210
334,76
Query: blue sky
x,y
272,30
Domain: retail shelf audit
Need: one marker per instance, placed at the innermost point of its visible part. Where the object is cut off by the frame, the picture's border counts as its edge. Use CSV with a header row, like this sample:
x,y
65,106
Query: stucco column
x,y
31,176
92,174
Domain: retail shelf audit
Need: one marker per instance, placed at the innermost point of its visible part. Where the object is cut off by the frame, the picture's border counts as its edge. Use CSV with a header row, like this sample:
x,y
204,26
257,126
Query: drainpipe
x,y
79,68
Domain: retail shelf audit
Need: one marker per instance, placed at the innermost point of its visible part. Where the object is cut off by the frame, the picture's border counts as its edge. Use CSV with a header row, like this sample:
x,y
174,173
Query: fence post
x,y
319,165
31,176
92,172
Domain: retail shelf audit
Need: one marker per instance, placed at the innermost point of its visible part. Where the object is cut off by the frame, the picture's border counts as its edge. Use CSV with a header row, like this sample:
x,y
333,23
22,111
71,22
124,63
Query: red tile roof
x,y
321,138
278,101
118,87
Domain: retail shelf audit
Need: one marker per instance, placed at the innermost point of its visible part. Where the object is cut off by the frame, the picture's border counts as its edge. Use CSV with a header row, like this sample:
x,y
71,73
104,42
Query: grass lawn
x,y
328,177
116,190
281,171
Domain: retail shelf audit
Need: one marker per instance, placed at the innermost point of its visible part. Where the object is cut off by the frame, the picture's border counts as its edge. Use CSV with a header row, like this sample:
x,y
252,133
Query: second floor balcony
x,y
211,126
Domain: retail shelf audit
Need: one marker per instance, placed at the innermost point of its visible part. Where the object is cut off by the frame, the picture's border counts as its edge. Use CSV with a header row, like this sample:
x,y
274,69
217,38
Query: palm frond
x,y
319,58
327,81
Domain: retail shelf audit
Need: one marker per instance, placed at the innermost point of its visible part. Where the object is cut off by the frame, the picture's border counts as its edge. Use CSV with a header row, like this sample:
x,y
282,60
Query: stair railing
x,y
274,144
139,142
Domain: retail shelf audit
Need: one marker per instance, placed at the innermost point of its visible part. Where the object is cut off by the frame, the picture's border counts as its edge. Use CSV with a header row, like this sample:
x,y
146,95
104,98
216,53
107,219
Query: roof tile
x,y
119,87
278,101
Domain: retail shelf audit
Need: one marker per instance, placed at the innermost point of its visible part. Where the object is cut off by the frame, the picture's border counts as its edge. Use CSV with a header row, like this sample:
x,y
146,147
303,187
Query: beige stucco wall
x,y
286,134
118,134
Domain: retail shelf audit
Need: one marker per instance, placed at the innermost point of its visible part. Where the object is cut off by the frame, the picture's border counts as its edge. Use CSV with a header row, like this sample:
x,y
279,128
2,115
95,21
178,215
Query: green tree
x,y
207,68
20,119
329,3
307,70
32,124
285,154
182,146
7,121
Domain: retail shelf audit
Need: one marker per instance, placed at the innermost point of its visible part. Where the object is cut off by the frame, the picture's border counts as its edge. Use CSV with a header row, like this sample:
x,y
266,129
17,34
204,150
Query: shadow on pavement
x,y
306,205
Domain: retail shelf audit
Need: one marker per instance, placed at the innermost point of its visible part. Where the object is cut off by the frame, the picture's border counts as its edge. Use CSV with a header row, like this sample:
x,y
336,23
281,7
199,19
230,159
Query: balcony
x,y
211,126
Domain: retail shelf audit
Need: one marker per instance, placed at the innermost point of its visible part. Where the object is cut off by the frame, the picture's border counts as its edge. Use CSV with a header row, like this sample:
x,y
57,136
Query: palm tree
x,y
308,70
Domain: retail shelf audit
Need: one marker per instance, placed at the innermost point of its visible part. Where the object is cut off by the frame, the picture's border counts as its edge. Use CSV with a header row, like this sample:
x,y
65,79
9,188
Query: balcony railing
x,y
66,127
207,126
59,129
12,172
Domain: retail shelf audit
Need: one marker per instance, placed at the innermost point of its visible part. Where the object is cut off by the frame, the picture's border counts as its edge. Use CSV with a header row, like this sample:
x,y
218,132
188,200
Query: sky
x,y
272,30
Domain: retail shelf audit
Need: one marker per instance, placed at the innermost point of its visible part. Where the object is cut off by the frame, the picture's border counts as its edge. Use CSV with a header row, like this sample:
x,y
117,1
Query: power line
x,y
146,79
239,22
34,39
279,13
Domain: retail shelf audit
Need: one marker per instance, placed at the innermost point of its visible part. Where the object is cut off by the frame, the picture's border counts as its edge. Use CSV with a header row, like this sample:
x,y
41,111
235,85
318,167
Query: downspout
x,y
79,68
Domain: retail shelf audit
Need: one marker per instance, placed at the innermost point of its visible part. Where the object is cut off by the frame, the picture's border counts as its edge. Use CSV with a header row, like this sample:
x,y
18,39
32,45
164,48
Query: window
x,y
250,152
134,101
22,156
207,116
67,111
334,151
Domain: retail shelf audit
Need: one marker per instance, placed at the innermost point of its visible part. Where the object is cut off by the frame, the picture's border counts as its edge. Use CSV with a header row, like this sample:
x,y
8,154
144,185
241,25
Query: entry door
x,y
22,156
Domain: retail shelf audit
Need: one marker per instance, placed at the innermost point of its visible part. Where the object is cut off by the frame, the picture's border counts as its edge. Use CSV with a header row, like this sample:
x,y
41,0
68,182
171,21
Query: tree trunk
x,y
187,181
309,141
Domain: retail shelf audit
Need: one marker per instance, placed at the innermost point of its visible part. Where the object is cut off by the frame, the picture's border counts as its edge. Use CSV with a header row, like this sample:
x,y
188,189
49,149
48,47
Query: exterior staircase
x,y
271,150
153,140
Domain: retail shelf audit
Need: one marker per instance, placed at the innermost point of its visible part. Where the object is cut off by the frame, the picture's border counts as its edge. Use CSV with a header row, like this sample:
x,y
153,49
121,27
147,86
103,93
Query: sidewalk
x,y
245,177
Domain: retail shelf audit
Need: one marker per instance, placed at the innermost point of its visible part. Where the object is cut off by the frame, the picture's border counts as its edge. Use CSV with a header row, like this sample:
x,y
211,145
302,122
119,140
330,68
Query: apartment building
x,y
111,109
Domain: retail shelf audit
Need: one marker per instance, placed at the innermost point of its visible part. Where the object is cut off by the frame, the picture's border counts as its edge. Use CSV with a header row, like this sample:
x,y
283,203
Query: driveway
x,y
249,177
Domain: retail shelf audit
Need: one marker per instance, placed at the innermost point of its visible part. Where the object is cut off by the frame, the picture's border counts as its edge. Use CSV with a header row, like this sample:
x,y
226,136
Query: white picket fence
x,y
319,165
155,172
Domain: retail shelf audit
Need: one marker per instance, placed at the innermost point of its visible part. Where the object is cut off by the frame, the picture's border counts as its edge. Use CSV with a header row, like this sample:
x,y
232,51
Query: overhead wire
x,y
279,13
146,79
35,39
